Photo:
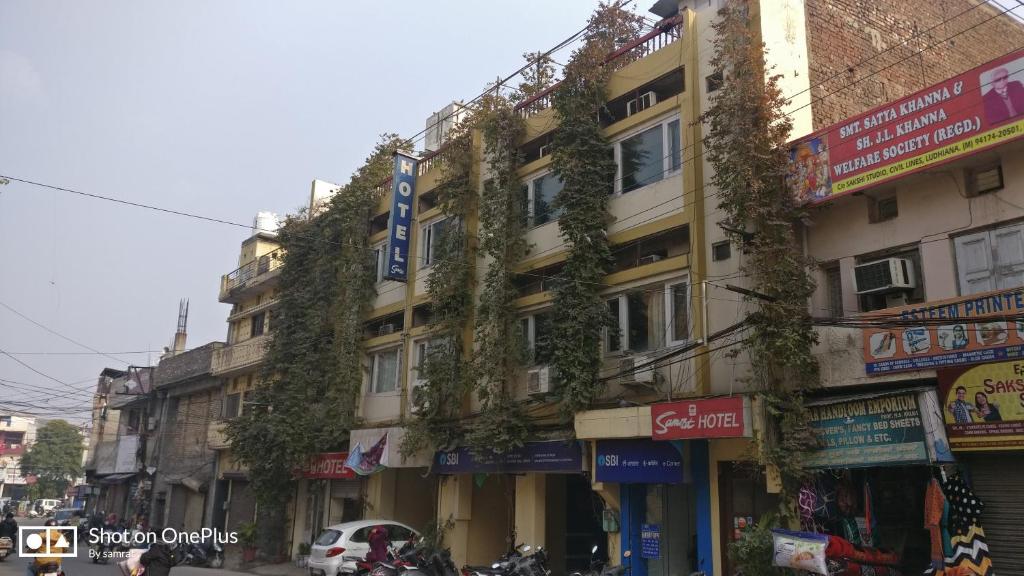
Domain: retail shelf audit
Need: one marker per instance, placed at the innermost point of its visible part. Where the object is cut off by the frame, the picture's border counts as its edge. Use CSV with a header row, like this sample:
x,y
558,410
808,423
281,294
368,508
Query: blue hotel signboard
x,y
403,188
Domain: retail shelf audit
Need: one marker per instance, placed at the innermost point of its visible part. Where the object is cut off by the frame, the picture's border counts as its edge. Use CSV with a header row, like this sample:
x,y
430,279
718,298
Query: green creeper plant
x,y
583,159
746,143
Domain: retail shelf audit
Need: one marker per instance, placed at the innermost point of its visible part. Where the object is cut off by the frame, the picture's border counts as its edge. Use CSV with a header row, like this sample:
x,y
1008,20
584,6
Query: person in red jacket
x,y
378,539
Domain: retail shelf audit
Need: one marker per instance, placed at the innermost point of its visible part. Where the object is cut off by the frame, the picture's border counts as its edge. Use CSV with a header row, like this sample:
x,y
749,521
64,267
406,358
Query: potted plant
x,y
302,558
247,538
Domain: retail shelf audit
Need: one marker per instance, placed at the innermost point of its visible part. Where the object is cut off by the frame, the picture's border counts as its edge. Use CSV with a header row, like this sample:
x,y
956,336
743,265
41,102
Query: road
x,y
83,566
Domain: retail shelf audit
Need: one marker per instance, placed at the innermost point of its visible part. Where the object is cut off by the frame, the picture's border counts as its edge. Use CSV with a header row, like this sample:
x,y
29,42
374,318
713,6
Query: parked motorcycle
x,y
207,554
600,567
6,547
516,562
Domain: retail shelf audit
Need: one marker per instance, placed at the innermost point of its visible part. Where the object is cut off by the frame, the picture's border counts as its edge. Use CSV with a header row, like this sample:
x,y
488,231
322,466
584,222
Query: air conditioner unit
x,y
544,150
650,259
386,329
643,102
629,371
888,275
538,380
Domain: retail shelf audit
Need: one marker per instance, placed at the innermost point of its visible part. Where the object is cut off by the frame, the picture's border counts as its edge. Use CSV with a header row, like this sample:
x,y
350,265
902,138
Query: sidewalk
x,y
283,569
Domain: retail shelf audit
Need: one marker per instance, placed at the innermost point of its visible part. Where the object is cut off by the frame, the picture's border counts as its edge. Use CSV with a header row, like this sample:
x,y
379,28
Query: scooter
x,y
600,567
207,554
6,545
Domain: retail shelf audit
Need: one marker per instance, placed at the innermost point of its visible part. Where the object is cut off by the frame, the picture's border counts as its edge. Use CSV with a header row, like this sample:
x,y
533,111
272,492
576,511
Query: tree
x,y
55,459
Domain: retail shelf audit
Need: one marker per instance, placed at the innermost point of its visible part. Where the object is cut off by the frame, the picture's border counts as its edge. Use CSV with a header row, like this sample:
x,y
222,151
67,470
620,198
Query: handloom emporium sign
x,y
868,432
965,330
958,117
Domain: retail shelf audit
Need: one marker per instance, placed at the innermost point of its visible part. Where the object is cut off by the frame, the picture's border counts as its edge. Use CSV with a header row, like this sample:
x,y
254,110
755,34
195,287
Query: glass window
x,y
642,159
361,536
385,371
537,329
397,533
614,333
675,146
545,189
429,238
834,285
679,301
256,325
645,322
379,254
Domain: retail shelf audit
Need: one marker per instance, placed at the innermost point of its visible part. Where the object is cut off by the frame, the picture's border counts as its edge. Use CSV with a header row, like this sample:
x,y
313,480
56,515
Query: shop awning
x,y
889,428
548,456
115,478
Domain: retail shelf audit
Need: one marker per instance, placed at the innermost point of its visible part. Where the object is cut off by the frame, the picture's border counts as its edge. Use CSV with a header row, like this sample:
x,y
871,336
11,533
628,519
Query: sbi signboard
x,y
639,462
403,191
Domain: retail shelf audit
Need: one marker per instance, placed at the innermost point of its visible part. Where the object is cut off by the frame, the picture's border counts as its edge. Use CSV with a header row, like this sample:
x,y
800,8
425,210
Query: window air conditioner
x,y
386,329
643,102
544,150
888,275
630,372
649,259
539,380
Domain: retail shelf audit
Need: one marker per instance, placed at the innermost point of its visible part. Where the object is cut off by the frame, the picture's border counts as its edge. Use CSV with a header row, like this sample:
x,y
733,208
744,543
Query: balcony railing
x,y
12,450
239,356
251,273
664,33
215,437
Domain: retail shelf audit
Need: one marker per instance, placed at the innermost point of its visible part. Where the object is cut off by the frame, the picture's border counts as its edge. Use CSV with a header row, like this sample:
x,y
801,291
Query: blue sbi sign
x,y
403,191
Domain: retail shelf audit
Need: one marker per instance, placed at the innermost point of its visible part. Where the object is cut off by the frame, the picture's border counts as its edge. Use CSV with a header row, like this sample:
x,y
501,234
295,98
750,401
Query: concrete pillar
x,y
531,509
456,504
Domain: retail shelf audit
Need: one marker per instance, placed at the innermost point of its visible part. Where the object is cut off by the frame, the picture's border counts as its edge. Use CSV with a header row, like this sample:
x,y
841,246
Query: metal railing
x,y
249,272
664,33
242,355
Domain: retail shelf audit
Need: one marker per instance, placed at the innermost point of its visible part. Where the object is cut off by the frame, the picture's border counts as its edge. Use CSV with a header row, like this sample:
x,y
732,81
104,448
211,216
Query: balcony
x,y
12,449
239,357
216,439
251,277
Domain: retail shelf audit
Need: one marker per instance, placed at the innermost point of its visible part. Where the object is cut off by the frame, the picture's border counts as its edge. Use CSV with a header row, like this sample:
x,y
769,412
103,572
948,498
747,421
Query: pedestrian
x,y
157,561
9,528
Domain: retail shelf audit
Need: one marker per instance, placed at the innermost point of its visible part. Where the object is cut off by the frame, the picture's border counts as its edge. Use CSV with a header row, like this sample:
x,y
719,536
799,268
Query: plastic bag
x,y
799,550
132,566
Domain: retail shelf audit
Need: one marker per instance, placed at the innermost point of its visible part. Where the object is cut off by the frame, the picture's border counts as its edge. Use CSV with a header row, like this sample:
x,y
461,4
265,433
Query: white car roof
x,y
357,524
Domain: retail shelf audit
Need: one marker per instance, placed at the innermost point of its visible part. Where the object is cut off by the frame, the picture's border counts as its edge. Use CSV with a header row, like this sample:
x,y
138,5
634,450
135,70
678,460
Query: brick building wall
x,y
843,33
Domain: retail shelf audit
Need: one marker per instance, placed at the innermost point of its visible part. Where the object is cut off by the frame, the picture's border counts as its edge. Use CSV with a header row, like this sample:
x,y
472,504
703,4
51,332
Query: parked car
x,y
68,516
338,547
45,506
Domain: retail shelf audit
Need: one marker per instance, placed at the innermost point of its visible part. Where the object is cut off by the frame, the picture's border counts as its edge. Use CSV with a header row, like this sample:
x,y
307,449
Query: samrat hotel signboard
x,y
963,115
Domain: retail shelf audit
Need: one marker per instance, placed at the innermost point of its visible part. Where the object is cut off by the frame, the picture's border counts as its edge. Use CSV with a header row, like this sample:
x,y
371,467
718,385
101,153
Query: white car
x,y
337,549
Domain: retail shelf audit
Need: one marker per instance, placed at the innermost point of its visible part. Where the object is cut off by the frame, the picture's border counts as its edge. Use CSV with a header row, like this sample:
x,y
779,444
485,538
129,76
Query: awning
x,y
115,478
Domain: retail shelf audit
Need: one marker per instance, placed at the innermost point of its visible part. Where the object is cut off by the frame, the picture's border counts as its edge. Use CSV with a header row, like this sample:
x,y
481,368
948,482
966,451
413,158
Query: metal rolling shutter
x,y
996,479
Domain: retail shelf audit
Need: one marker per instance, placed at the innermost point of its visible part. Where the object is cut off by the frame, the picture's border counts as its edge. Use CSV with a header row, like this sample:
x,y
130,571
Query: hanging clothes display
x,y
967,551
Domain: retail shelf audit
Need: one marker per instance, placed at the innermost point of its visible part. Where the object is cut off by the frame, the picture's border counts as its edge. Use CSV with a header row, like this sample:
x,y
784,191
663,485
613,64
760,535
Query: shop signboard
x,y
983,406
868,431
328,466
727,417
650,541
403,190
958,117
639,461
955,332
550,456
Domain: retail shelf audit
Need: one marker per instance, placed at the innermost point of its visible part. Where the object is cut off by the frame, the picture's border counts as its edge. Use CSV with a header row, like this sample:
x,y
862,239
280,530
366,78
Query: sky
x,y
221,108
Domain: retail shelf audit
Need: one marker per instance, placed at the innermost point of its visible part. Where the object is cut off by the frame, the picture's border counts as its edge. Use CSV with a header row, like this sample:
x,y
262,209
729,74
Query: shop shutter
x,y
345,489
996,479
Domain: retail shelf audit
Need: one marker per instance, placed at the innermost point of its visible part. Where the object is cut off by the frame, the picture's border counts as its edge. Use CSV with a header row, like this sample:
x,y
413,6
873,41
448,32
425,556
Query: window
x,y
423,349
714,82
232,405
984,180
256,325
380,252
869,302
537,330
834,286
882,209
990,260
430,236
721,251
649,319
642,158
384,371
540,194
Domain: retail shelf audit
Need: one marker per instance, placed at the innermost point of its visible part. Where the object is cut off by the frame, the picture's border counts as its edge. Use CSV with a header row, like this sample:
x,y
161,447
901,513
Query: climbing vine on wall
x,y
501,351
306,399
438,403
746,142
583,159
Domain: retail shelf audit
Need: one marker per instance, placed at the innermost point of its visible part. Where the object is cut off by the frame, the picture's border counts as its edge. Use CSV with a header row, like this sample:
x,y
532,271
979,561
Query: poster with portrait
x,y
983,406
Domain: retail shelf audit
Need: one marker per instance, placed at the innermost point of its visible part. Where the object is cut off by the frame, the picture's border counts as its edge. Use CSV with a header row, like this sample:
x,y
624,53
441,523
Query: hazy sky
x,y
221,108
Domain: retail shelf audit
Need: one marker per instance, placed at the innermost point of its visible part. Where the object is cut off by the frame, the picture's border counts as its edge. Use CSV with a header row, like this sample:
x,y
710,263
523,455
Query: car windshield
x,y
328,537
63,514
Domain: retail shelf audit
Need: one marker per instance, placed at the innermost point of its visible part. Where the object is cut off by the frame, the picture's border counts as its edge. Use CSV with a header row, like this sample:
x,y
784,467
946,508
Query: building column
x,y
701,471
531,509
380,494
455,503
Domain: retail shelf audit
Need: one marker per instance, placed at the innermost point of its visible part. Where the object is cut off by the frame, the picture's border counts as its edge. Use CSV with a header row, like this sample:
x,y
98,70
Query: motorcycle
x,y
208,554
398,560
6,545
515,562
600,567
101,552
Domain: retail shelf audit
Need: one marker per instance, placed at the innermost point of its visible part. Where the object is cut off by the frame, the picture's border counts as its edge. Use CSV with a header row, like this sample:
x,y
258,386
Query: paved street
x,y
82,566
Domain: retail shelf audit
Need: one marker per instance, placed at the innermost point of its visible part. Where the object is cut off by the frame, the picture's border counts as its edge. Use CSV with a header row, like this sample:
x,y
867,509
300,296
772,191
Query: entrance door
x,y
669,514
744,498
314,509
583,529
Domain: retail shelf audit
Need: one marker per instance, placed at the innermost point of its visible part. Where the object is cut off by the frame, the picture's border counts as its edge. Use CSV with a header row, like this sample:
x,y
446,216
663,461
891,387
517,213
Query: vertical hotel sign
x,y
403,191
955,118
